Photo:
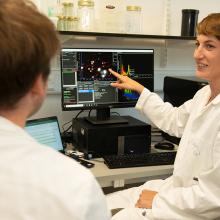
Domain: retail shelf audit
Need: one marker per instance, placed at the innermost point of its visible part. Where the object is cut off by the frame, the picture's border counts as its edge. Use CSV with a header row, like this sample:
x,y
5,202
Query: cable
x,y
79,114
66,130
115,113
89,113
65,125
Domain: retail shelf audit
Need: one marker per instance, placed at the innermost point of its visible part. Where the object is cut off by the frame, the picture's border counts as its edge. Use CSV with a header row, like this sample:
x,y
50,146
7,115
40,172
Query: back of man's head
x,y
28,41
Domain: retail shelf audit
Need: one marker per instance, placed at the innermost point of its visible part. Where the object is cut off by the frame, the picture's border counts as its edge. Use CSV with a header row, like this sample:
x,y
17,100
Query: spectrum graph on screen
x,y
134,66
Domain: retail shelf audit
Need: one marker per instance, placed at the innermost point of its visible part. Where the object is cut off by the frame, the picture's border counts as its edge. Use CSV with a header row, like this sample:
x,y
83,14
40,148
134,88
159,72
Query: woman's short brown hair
x,y
210,25
28,41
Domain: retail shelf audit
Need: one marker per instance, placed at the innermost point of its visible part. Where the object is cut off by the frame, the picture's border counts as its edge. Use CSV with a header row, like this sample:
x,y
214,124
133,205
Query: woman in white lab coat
x,y
193,191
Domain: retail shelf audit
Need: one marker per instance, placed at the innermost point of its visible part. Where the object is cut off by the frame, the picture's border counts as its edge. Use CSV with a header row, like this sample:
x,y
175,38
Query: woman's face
x,y
207,57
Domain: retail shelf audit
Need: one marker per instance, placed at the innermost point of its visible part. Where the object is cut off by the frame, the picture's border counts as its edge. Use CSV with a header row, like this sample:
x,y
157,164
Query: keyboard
x,y
139,160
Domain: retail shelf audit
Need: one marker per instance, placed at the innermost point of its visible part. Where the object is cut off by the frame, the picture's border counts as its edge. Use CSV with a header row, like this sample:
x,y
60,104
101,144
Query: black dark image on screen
x,y
94,66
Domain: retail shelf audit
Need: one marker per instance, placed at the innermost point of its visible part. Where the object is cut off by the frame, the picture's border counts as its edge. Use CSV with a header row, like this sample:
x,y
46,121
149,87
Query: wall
x,y
173,58
205,7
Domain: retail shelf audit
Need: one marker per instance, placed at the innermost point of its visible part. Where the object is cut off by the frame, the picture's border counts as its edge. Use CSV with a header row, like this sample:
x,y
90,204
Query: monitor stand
x,y
103,116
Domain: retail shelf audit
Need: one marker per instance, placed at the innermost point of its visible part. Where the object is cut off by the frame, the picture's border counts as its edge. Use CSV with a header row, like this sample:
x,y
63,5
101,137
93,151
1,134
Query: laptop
x,y
46,131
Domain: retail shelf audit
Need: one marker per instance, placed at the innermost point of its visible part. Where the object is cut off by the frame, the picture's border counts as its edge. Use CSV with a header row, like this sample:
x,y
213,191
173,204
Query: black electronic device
x,y
164,146
85,79
110,139
83,162
178,90
139,160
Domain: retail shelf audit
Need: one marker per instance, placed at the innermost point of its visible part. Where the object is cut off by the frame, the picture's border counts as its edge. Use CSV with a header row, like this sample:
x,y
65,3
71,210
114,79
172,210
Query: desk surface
x,y
118,177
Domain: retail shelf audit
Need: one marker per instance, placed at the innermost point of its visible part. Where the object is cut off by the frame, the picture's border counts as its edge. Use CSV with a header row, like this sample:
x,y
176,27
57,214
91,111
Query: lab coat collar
x,y
8,126
207,96
216,100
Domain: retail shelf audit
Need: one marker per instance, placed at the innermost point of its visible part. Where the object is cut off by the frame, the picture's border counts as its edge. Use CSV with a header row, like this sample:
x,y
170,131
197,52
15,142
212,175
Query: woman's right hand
x,y
125,82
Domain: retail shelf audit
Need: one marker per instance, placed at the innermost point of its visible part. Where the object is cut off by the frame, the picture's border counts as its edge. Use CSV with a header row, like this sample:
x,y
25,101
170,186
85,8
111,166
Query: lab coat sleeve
x,y
170,119
94,202
199,201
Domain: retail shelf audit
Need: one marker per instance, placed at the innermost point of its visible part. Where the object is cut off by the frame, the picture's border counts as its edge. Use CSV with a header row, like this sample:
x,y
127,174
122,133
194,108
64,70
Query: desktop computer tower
x,y
178,90
111,139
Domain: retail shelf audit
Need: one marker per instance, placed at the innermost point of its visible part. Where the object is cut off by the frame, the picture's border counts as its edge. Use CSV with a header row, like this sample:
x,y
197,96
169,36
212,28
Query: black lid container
x,y
189,22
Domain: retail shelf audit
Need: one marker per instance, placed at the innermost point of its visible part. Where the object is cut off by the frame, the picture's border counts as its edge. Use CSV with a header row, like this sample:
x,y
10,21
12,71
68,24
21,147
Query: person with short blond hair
x,y
36,182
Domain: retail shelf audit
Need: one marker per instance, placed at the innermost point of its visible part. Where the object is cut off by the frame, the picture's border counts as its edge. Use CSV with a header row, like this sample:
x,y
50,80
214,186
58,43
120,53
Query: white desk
x,y
119,177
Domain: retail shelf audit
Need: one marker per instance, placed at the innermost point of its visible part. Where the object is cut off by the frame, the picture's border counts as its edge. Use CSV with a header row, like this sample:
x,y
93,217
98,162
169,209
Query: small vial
x,y
61,23
71,23
86,15
65,21
133,19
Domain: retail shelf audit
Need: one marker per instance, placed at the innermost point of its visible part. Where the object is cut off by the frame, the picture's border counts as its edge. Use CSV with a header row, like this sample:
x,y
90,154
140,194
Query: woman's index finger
x,y
114,73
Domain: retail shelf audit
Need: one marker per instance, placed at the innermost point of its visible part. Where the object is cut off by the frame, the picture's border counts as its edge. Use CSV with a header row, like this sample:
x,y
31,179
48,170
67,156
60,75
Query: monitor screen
x,y
85,79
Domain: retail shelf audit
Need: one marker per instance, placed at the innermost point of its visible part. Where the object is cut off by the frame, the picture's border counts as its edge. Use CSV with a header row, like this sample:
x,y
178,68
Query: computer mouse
x,y
164,146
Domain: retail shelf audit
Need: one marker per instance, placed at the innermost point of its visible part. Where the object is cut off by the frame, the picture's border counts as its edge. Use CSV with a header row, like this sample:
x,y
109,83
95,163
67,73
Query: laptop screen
x,y
46,131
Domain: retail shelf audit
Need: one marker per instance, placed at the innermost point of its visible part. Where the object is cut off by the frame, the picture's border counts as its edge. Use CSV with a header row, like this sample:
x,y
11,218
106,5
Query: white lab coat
x,y
193,191
38,183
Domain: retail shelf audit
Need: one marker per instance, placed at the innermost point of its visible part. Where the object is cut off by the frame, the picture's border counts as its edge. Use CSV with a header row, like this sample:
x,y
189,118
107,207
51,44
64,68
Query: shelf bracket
x,y
163,55
163,52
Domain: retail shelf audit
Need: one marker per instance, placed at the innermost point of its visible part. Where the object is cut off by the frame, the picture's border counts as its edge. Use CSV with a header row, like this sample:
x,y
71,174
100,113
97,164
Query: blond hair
x,y
210,25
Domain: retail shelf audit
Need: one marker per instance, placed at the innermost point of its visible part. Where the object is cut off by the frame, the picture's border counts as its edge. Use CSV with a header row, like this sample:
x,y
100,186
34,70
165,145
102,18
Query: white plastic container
x,y
133,19
86,15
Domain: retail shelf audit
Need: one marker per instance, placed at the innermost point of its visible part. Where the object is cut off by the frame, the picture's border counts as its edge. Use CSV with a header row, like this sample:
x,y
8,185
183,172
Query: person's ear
x,y
40,86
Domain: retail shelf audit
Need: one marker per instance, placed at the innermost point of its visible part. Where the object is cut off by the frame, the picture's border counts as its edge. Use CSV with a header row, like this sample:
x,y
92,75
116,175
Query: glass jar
x,y
71,23
67,9
61,23
133,19
113,16
86,15
65,22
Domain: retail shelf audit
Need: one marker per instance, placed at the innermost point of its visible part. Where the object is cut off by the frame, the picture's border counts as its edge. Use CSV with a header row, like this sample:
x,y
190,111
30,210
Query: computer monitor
x,y
85,79
177,90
